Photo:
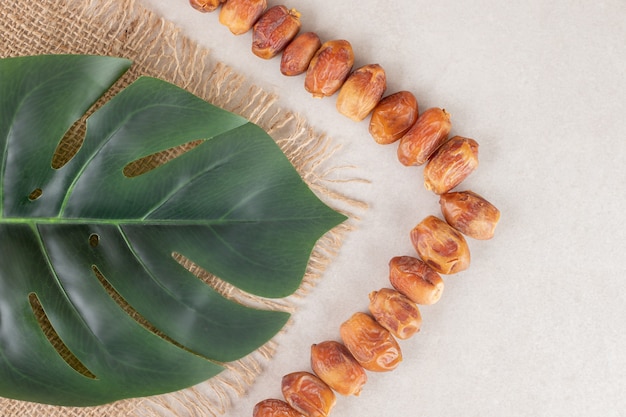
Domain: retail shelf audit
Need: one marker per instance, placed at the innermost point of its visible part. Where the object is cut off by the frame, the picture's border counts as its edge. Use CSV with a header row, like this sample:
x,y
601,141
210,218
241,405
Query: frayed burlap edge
x,y
126,29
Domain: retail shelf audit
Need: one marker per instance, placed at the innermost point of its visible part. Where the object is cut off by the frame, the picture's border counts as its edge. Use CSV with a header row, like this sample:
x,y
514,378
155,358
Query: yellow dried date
x,y
362,91
329,68
429,131
298,54
454,161
470,214
416,280
274,408
395,312
240,15
335,365
440,246
371,344
308,394
206,6
274,30
393,116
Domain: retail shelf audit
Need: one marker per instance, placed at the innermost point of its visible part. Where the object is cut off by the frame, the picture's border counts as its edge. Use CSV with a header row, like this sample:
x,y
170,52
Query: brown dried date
x,y
470,214
362,91
416,280
273,31
336,366
298,54
371,344
451,164
329,68
441,246
274,408
308,394
240,15
393,116
206,6
424,137
395,312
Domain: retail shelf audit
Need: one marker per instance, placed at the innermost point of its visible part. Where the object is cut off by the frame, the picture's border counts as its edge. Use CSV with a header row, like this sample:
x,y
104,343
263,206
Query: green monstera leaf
x,y
77,239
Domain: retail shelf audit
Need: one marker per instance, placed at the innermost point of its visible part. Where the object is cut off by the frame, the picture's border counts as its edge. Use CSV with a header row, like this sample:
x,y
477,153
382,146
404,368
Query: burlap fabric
x,y
157,48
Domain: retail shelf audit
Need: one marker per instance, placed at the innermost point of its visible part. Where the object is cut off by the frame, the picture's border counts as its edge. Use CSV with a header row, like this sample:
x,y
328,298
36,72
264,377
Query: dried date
x,y
395,312
335,365
308,394
441,246
329,68
274,30
393,116
298,54
451,164
416,280
424,137
240,15
274,408
362,91
470,214
371,344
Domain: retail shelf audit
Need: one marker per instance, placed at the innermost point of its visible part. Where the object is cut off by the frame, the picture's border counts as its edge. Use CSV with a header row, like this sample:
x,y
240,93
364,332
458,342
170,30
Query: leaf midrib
x,y
153,222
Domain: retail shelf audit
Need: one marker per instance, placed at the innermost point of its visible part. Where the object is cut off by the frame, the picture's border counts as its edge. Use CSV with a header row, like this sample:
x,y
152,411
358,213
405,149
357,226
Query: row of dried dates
x,y
369,341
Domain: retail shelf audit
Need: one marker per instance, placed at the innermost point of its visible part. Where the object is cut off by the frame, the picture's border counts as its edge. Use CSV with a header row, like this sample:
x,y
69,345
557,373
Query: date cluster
x,y
369,341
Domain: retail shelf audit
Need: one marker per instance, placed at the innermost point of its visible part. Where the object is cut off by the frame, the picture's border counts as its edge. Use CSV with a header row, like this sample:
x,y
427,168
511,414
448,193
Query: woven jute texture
x,y
157,48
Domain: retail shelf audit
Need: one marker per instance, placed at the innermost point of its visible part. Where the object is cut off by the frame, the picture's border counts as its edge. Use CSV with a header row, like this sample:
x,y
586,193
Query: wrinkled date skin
x,y
395,312
274,408
371,344
298,54
393,116
470,214
441,246
329,68
413,278
240,15
454,161
424,137
335,365
274,30
206,6
362,91
308,394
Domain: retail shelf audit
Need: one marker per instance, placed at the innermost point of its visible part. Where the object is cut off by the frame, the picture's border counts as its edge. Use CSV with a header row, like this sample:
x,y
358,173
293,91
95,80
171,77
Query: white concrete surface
x,y
537,325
